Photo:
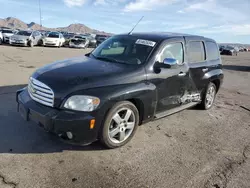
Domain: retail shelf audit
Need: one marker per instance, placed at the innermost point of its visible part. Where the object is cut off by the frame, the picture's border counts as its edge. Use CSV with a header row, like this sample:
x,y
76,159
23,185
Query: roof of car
x,y
158,36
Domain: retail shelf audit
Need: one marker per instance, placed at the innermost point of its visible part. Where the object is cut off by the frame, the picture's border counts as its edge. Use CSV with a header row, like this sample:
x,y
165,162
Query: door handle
x,y
182,74
205,70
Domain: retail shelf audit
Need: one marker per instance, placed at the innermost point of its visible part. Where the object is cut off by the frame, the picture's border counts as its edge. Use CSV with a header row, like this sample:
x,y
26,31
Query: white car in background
x,y
7,33
1,37
54,39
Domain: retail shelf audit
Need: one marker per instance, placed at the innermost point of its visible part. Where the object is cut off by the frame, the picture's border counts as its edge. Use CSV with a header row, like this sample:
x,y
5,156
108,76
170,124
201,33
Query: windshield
x,y
124,49
7,31
79,37
24,33
230,48
53,35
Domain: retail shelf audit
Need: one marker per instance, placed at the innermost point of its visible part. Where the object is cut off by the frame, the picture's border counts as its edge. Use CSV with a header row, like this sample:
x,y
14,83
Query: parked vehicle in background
x,y
241,49
67,37
128,80
54,39
1,37
229,50
221,48
26,38
245,49
79,41
100,39
92,41
7,33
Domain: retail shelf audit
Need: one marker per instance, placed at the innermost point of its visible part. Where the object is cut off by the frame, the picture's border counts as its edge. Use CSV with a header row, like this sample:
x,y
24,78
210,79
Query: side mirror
x,y
170,62
167,63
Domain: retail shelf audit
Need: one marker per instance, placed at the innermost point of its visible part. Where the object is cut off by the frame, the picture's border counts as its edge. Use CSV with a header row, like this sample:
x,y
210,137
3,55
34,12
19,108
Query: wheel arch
x,y
140,107
217,83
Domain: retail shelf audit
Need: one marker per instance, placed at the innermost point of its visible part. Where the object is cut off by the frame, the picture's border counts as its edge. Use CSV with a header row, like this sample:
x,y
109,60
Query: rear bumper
x,y
59,121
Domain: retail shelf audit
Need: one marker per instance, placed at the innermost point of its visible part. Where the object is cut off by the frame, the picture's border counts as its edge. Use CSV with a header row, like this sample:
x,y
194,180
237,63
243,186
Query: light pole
x,y
40,14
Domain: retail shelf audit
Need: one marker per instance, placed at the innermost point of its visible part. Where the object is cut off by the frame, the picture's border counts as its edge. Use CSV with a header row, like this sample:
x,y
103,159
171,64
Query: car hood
x,y
71,75
20,37
51,39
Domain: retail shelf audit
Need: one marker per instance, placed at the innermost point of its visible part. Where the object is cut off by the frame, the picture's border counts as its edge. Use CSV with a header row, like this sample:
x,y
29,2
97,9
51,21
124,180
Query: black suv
x,y
128,80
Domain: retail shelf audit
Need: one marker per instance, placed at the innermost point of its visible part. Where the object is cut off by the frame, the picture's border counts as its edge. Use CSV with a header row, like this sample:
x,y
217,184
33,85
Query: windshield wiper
x,y
108,59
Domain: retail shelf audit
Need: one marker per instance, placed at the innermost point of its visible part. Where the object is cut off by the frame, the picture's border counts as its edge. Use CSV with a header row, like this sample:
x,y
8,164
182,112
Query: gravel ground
x,y
193,148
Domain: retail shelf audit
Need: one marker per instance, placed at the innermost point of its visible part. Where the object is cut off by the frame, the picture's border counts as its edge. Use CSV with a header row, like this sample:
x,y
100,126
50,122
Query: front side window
x,y
173,50
212,51
124,49
196,51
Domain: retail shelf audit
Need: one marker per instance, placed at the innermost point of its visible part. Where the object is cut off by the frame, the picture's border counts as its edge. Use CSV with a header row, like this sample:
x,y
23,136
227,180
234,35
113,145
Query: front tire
x,y
209,97
31,44
120,125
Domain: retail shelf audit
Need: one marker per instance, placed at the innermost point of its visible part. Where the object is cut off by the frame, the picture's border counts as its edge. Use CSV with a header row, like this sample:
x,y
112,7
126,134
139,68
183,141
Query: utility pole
x,y
40,14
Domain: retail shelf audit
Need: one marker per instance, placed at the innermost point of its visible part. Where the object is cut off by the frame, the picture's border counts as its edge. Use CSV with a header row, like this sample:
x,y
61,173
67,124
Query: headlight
x,y
82,103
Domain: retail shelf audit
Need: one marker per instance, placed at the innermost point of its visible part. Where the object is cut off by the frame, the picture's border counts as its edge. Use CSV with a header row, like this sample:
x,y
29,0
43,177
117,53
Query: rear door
x,y
197,62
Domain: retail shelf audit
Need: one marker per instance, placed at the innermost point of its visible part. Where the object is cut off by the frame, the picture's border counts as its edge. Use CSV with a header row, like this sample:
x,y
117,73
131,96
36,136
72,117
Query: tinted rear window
x,y
212,51
196,52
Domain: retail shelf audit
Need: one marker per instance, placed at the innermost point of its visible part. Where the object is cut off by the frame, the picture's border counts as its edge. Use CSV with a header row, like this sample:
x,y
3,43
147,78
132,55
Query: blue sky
x,y
222,20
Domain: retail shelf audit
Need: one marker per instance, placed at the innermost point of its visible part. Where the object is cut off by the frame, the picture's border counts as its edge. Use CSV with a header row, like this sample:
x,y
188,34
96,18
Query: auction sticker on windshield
x,y
145,42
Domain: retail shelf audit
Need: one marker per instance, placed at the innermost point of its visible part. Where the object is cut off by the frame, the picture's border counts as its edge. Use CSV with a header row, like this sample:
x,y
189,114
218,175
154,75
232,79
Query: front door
x,y
173,83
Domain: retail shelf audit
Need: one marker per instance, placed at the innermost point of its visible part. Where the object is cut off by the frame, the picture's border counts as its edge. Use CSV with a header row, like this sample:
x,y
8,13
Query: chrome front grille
x,y
40,92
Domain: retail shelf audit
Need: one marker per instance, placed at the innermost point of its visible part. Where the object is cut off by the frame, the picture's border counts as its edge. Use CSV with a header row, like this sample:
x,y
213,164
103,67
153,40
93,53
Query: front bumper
x,y
51,44
71,45
59,121
19,43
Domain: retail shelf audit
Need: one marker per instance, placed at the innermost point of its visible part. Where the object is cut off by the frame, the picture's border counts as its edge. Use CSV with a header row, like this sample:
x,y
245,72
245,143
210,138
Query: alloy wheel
x,y
122,125
210,96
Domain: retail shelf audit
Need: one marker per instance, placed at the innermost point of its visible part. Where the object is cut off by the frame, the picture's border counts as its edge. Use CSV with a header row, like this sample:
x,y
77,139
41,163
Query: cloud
x,y
100,2
232,29
146,5
180,12
108,2
214,7
74,3
188,26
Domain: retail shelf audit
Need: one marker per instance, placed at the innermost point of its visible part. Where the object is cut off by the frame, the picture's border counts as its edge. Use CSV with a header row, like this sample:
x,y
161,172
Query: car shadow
x,y
19,136
237,68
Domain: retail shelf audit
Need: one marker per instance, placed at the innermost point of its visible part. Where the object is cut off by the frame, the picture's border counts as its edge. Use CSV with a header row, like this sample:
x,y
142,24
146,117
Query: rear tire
x,y
208,97
120,125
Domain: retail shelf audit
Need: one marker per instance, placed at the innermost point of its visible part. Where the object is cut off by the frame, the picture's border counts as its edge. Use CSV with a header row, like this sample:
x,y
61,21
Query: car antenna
x,y
135,25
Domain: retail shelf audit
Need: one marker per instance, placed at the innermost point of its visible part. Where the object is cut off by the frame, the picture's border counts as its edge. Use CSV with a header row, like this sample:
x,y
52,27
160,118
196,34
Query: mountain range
x,y
15,23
